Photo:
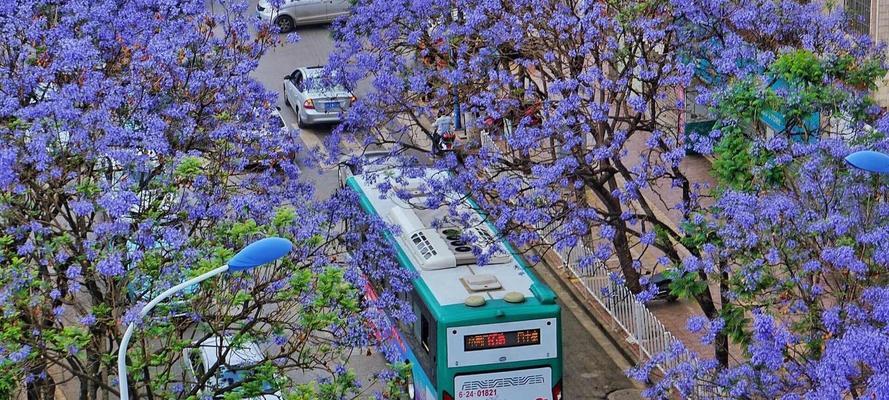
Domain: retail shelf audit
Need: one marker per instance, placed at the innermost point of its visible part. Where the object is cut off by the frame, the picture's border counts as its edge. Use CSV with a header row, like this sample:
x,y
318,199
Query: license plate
x,y
331,105
512,385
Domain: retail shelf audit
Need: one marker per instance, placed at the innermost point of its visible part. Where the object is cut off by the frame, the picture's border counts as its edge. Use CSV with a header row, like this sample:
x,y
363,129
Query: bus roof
x,y
442,249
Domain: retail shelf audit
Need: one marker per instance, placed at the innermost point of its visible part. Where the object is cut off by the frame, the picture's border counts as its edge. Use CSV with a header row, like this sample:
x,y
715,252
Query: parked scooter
x,y
663,287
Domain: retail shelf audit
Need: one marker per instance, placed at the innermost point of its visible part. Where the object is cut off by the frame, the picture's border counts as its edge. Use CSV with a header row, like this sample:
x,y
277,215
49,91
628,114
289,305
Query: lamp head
x,y
868,160
259,252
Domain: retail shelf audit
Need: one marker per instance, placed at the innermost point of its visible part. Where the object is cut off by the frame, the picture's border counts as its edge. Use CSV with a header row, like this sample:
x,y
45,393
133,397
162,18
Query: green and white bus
x,y
482,332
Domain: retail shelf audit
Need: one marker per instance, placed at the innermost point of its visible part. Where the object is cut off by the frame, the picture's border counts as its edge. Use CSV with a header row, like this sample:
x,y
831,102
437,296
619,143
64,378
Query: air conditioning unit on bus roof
x,y
444,248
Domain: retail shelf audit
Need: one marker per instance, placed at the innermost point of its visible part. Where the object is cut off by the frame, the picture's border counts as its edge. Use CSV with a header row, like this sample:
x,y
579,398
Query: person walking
x,y
441,128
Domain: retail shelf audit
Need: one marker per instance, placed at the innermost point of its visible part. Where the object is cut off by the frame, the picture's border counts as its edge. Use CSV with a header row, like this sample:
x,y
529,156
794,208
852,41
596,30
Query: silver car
x,y
287,14
313,100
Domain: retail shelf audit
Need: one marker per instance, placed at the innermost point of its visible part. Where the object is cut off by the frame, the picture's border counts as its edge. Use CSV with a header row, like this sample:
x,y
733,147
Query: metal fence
x,y
638,323
640,326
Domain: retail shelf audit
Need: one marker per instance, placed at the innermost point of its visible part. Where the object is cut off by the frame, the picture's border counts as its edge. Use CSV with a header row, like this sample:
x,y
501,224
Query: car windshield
x,y
318,83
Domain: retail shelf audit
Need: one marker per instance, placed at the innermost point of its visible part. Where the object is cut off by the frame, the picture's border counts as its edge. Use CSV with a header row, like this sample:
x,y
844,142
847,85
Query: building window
x,y
858,12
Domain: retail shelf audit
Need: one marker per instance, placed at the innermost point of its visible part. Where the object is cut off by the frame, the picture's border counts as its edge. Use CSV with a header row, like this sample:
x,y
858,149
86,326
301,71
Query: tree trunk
x,y
621,240
720,343
625,258
720,348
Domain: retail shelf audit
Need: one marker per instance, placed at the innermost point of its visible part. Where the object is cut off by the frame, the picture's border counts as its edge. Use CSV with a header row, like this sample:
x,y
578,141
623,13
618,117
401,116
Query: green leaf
x,y
800,66
686,286
735,324
242,297
189,167
284,216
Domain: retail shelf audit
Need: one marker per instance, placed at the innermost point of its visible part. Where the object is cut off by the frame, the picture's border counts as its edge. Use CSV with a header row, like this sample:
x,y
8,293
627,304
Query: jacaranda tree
x,y
798,238
805,261
580,99
584,105
135,152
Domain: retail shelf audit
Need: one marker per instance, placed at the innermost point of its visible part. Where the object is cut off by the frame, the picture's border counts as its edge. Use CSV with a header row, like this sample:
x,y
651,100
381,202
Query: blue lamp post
x,y
255,254
869,160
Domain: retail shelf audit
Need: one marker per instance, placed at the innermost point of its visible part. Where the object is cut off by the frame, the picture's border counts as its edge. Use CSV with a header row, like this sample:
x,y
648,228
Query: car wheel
x,y
286,100
284,23
299,120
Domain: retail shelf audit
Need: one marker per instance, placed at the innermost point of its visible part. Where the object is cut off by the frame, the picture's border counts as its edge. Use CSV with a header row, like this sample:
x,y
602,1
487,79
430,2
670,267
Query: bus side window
x,y
424,332
421,335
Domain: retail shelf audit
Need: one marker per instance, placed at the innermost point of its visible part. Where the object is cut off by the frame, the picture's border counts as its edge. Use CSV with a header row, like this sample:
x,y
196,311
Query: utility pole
x,y
458,117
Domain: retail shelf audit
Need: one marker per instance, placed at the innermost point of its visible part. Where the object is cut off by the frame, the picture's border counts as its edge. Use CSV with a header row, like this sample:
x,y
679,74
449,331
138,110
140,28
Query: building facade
x,y
872,17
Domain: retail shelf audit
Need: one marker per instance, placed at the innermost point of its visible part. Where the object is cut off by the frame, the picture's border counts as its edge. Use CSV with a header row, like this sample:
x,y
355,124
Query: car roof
x,y
312,71
370,161
367,155
246,354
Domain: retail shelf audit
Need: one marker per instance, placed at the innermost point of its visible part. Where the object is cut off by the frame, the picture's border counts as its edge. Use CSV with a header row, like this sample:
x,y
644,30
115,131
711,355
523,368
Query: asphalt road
x,y
312,49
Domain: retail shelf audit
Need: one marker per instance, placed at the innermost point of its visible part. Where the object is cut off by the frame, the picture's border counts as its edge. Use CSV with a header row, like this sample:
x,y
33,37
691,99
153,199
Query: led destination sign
x,y
497,340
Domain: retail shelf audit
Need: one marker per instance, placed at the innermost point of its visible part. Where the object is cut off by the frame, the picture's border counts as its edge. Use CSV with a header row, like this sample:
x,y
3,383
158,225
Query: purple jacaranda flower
x,y
73,272
132,315
88,320
82,207
696,323
20,355
110,265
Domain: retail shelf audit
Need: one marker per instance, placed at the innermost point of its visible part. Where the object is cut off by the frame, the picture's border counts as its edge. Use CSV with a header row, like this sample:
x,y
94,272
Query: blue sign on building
x,y
775,120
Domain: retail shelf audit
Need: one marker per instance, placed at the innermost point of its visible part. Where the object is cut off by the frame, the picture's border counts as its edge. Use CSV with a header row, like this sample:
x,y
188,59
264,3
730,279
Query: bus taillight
x,y
446,396
557,390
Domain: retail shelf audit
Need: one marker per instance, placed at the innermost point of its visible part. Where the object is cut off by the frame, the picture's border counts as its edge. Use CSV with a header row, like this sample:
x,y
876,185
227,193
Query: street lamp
x,y
255,254
869,160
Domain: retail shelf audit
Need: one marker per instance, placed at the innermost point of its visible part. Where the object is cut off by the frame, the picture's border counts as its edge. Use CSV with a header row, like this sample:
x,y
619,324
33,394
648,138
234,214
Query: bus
x,y
482,332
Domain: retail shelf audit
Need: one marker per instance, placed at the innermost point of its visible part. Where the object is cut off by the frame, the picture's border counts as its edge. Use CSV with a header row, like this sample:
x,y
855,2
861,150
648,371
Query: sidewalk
x,y
675,315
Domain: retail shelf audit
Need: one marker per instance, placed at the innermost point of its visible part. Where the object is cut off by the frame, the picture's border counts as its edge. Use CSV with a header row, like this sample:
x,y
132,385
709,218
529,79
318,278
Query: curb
x,y
606,338
593,310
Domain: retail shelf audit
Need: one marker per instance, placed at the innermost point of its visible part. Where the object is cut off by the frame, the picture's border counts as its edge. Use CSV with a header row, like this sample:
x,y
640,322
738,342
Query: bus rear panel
x,y
492,348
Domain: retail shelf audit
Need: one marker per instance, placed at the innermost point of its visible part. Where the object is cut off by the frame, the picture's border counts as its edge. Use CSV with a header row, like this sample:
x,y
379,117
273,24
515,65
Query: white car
x,y
232,371
287,14
314,99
